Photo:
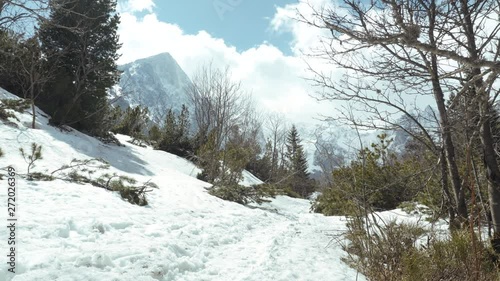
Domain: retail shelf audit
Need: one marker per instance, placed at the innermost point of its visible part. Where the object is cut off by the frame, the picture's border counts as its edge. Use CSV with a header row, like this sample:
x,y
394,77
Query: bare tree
x,y
32,72
219,103
15,13
395,50
225,116
276,129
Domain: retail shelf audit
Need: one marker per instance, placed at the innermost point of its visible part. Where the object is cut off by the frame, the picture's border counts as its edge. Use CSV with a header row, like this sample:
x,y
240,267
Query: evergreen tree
x,y
133,123
295,153
182,134
261,167
155,135
175,138
209,160
10,43
81,41
299,180
168,140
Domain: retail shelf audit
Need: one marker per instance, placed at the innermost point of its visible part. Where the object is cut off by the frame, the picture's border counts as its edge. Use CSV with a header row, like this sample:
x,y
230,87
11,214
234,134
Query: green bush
x,y
235,193
459,257
377,180
37,176
288,191
244,194
377,251
31,158
132,123
333,202
16,105
392,251
174,136
81,171
127,188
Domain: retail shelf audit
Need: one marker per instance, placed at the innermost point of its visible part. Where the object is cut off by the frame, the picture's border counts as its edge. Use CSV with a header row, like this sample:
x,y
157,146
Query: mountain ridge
x,y
156,82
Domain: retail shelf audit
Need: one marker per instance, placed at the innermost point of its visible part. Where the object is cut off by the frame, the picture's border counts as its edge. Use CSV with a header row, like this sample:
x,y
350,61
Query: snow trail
x,y
69,231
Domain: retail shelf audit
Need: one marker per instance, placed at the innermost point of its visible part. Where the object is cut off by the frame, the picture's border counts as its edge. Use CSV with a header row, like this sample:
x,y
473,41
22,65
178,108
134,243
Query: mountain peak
x,y
165,57
156,82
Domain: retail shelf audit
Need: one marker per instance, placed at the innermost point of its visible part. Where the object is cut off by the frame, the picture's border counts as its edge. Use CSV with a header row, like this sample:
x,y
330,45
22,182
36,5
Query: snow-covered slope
x,y
68,231
156,82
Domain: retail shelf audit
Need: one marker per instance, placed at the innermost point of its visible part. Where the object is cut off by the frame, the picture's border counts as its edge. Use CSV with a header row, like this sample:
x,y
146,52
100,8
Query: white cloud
x,y
288,19
131,6
275,79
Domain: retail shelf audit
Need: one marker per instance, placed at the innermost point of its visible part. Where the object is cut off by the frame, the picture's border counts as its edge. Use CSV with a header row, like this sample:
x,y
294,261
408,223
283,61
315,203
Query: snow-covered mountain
x,y
156,82
427,118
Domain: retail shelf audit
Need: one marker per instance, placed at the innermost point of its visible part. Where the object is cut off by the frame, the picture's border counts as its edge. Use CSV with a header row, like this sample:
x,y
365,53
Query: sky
x,y
241,23
258,39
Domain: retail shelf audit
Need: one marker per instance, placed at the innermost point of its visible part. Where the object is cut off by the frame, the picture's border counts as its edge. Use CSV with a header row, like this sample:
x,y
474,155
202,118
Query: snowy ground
x,y
68,231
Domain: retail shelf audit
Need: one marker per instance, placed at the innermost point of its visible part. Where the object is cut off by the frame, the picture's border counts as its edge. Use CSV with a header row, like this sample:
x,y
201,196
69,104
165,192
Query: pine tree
x,y
182,134
261,167
175,138
155,135
168,140
209,159
295,154
133,123
299,180
81,38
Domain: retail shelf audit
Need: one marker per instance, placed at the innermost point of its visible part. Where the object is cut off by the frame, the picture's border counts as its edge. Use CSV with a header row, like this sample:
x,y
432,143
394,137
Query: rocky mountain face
x,y
426,117
156,82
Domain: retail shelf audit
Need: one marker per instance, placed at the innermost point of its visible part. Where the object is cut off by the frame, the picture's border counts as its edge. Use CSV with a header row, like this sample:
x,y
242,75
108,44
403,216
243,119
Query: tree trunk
x,y
33,79
447,195
492,172
449,149
485,134
460,207
34,114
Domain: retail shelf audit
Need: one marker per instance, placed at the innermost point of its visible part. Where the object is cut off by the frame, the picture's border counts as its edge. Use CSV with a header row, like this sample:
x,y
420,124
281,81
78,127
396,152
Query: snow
x,y
69,231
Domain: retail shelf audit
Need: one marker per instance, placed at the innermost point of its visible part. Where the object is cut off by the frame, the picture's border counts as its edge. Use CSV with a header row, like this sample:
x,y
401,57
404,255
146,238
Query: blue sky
x,y
263,46
257,39
241,23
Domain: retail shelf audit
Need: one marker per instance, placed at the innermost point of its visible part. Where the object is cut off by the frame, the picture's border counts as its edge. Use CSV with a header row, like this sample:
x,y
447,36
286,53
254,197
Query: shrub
x,y
16,105
288,191
30,159
414,208
377,252
391,252
81,171
126,187
133,123
109,138
137,194
72,170
244,194
460,257
37,176
174,136
334,202
377,180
